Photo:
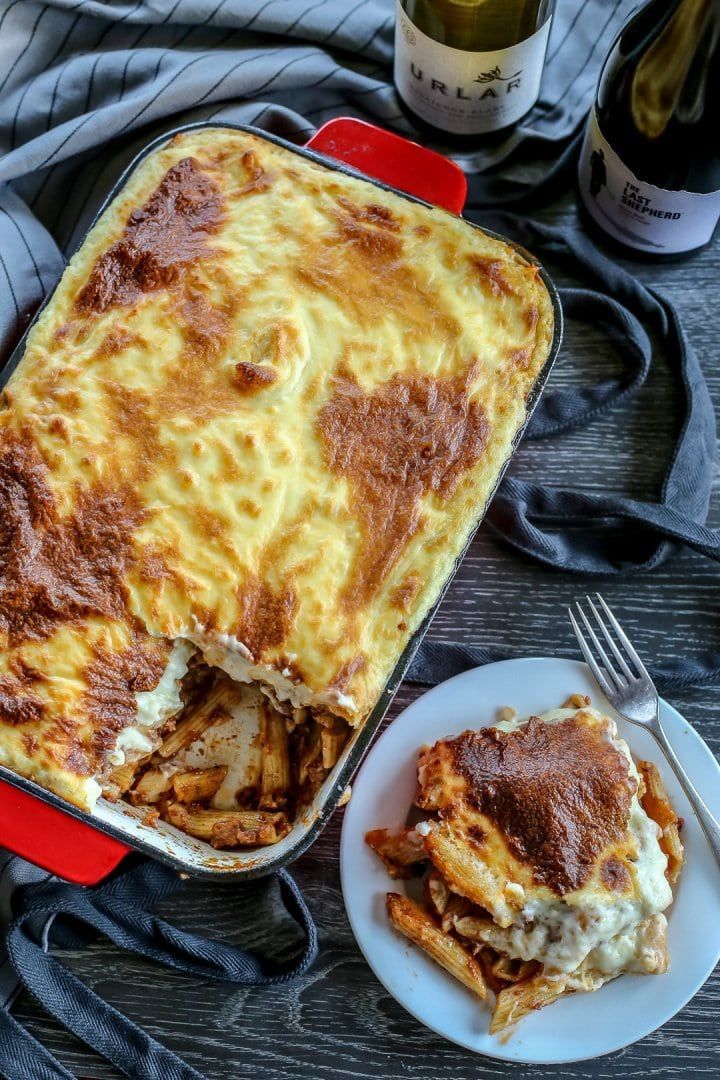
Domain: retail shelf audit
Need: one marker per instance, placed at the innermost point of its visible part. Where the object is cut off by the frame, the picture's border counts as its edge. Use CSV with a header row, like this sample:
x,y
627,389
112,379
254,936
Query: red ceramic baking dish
x,y
84,848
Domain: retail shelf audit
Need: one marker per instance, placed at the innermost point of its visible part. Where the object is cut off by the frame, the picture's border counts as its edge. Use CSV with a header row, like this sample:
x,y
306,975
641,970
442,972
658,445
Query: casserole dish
x,y
163,226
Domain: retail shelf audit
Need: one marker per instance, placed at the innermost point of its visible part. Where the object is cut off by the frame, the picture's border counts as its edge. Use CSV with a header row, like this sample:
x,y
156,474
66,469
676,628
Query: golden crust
x,y
544,807
280,395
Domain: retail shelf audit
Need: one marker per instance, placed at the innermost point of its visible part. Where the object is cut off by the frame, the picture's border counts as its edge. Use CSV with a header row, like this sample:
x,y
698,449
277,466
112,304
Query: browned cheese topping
x,y
53,569
112,681
559,793
161,238
410,436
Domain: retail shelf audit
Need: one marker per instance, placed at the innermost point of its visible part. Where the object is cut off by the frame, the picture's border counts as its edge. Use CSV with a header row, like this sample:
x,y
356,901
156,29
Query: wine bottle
x,y
649,170
470,67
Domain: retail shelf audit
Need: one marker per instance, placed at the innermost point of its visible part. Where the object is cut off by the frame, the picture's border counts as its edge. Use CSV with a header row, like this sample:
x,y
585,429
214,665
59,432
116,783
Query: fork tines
x,y
609,678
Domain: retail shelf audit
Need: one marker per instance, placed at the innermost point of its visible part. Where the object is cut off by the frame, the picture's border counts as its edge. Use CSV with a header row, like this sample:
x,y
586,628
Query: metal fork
x,y
633,695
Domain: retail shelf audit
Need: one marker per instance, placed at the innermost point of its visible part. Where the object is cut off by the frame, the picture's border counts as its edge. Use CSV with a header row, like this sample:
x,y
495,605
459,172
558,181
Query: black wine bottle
x,y
649,170
470,67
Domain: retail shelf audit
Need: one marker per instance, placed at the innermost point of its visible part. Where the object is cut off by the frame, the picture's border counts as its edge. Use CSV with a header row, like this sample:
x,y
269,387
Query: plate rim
x,y
345,841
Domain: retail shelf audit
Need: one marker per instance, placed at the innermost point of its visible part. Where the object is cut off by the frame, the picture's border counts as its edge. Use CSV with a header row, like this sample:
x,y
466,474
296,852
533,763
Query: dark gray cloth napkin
x,y
84,85
121,909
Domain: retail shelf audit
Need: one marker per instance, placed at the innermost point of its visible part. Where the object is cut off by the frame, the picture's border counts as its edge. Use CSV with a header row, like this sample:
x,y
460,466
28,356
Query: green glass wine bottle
x,y
470,67
650,165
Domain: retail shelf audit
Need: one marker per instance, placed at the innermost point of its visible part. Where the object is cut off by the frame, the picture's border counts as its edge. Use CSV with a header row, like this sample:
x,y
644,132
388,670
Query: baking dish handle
x,y
393,160
55,840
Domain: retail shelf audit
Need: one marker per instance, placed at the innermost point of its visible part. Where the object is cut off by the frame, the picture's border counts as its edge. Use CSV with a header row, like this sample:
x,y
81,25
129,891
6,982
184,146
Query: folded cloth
x,y
52,912
436,661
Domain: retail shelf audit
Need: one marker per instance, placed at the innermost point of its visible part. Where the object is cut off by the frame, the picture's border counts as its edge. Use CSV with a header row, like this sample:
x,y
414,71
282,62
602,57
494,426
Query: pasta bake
x,y
249,437
548,859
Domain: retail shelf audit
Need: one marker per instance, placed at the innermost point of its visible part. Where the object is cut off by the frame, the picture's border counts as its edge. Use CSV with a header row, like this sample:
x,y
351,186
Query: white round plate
x,y
580,1025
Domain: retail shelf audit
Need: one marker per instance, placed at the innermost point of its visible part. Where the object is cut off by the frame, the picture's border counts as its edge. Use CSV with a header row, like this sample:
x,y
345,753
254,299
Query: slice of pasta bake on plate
x,y
547,858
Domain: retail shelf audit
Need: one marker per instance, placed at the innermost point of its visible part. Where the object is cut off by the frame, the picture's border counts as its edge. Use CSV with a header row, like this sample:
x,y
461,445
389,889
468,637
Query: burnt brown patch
x,y
559,793
112,680
161,238
258,179
59,426
615,875
130,416
348,671
206,327
403,594
371,214
491,275
531,315
266,617
520,358
413,435
18,703
153,565
377,244
17,706
74,756
30,742
68,399
55,570
476,835
116,342
249,378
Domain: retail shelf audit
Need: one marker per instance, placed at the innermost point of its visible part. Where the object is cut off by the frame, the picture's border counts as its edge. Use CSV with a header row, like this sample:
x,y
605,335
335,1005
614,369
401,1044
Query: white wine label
x,y
641,215
467,93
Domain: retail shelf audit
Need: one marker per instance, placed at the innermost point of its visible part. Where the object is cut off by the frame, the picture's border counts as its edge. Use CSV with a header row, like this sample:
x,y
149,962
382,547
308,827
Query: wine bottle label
x,y
464,92
641,215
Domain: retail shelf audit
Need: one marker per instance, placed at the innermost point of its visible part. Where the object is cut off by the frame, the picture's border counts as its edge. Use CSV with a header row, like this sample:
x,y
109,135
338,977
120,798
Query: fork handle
x,y
708,822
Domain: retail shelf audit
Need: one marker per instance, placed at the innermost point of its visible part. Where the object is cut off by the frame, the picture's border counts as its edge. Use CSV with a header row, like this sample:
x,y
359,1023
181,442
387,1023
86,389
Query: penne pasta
x,y
309,758
333,740
517,1000
437,889
193,724
121,779
151,787
478,928
419,927
198,785
276,776
399,849
229,828
464,872
457,908
448,905
511,970
671,844
657,806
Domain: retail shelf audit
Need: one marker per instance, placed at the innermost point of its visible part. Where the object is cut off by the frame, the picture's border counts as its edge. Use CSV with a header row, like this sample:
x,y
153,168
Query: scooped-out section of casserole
x,y
249,437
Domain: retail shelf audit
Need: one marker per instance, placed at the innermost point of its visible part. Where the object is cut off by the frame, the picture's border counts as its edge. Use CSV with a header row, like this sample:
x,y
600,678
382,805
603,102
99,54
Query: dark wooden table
x,y
339,1021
